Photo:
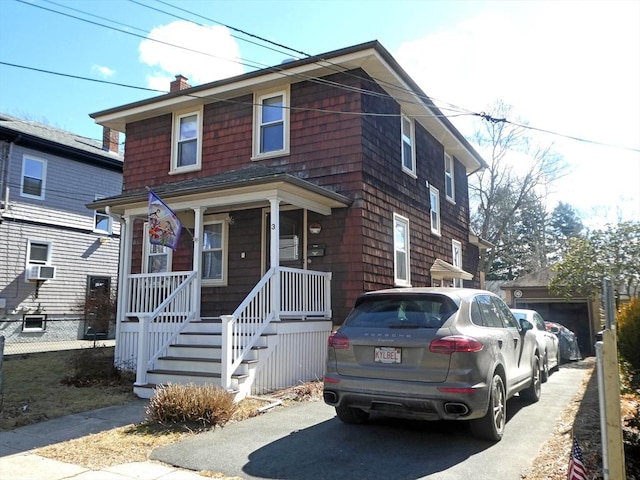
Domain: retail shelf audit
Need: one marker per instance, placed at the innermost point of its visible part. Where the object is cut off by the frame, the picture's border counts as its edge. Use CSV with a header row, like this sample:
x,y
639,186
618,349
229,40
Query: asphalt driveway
x,y
307,441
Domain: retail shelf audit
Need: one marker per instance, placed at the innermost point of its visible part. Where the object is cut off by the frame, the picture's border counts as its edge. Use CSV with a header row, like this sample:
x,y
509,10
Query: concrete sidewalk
x,y
18,462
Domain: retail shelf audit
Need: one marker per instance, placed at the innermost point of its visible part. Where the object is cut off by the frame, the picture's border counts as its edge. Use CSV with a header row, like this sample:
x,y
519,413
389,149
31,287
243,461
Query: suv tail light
x,y
338,341
455,343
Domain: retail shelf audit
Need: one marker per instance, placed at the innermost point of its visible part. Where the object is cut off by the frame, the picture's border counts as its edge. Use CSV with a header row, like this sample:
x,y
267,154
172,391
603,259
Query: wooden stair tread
x,y
194,374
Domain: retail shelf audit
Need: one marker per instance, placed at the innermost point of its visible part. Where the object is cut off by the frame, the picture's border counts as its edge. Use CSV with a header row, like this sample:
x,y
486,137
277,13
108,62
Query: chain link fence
x,y
37,333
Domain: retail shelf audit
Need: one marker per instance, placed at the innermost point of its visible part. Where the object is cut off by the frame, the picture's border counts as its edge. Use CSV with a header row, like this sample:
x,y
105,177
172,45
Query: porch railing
x,y
280,293
164,304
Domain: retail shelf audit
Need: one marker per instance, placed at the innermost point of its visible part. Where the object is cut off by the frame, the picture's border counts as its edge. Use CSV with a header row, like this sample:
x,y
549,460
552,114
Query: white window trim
x,y
44,177
109,230
397,219
436,192
175,136
449,159
412,139
258,98
41,317
146,251
224,220
457,261
28,263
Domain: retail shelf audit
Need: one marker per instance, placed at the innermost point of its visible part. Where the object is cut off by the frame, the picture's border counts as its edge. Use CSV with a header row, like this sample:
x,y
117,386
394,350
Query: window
x,y
271,124
401,250
449,181
456,250
157,258
214,256
485,313
408,150
34,323
435,210
34,172
38,253
101,221
186,142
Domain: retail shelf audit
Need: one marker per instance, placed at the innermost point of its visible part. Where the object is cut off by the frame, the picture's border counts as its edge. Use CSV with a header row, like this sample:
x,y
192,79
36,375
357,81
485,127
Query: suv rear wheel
x,y
491,426
532,393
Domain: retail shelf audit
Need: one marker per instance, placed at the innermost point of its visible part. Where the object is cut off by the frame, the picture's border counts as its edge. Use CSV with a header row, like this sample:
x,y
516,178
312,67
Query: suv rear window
x,y
390,311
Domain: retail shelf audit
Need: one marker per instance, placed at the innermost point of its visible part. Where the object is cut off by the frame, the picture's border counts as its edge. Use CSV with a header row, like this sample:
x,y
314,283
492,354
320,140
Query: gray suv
x,y
431,354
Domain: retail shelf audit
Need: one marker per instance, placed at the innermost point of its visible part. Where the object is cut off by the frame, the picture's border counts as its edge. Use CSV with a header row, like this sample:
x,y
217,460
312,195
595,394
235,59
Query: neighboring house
x,y
53,250
299,187
581,315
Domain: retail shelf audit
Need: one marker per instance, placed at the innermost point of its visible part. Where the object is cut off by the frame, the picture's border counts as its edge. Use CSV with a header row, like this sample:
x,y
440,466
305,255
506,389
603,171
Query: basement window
x,y
34,323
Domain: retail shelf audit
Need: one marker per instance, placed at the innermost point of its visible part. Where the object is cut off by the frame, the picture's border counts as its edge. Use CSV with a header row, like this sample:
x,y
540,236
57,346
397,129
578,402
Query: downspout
x,y
4,175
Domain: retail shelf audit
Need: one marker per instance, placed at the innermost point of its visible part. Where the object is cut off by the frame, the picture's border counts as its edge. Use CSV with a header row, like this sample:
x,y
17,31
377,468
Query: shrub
x,y
199,406
629,334
94,366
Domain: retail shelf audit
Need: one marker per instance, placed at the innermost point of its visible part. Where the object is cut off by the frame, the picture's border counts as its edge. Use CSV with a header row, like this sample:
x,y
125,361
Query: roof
x,y
239,182
541,278
441,269
372,57
45,137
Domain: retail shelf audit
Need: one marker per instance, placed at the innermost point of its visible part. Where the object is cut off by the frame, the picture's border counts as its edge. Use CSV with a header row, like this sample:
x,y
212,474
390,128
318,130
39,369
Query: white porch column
x,y
143,348
124,269
197,256
274,228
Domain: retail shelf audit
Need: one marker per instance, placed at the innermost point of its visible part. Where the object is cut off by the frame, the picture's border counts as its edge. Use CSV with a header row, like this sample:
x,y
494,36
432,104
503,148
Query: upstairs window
x,y
186,142
401,264
408,149
34,173
101,221
271,124
449,185
434,195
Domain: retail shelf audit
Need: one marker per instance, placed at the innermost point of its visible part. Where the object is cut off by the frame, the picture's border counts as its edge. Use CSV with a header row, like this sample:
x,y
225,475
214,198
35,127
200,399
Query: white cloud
x,y
208,53
568,67
105,72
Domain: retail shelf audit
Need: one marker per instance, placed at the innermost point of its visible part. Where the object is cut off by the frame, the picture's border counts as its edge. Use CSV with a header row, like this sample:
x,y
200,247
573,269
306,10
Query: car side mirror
x,y
526,325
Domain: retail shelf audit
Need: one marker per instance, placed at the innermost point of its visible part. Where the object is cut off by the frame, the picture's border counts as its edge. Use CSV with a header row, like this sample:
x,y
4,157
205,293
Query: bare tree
x,y
519,171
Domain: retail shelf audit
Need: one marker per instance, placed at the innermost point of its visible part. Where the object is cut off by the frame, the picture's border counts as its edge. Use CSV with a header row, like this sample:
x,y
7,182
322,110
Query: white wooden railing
x,y
280,293
164,304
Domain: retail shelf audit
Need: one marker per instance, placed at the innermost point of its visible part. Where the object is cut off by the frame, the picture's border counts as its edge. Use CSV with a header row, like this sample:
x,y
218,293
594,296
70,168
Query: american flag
x,y
577,470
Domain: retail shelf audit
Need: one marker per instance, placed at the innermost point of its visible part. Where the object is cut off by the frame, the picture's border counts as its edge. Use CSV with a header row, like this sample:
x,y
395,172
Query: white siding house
x,y
53,249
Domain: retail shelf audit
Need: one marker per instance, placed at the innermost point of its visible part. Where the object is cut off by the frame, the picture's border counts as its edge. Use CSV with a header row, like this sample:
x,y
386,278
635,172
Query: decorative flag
x,y
577,470
164,226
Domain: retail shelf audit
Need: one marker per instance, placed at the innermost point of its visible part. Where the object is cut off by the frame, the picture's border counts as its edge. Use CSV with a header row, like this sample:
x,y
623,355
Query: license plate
x,y
388,355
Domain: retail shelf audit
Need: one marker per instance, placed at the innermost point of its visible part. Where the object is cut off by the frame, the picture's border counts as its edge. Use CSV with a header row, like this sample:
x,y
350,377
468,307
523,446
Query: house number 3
x,y
273,226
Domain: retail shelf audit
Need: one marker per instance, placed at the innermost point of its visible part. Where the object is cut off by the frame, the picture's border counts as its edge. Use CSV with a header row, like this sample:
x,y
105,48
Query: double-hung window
x,y
34,172
408,145
101,221
456,252
401,265
38,253
434,197
271,124
157,258
449,178
187,142
214,252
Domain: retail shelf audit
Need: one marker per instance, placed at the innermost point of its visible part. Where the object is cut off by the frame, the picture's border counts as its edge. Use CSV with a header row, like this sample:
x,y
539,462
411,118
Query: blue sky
x,y
571,67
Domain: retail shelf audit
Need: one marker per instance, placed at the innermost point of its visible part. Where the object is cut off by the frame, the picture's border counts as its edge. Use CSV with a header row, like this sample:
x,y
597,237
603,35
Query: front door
x,y
291,239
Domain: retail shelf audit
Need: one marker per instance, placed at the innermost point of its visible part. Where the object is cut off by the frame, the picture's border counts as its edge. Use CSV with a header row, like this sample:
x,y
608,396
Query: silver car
x,y
548,343
431,354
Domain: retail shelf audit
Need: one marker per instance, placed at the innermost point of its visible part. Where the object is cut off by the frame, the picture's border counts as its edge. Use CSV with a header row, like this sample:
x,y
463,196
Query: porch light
x,y
315,228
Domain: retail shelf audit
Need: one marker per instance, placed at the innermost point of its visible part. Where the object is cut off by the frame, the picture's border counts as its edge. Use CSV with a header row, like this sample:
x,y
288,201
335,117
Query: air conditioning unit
x,y
41,272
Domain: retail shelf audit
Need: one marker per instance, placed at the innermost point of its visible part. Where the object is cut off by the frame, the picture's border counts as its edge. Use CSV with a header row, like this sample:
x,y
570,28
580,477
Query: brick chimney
x,y
180,83
110,140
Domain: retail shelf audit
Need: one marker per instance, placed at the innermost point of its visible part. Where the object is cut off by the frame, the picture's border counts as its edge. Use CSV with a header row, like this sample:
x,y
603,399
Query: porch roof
x,y
250,187
441,269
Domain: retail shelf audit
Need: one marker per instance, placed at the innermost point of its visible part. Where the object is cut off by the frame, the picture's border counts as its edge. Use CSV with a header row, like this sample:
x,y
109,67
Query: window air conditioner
x,y
41,272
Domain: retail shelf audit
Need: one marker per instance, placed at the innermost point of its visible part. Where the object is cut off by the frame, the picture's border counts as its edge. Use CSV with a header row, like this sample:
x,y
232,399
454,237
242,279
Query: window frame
x,y
258,104
34,317
30,261
103,214
397,280
435,210
147,252
410,140
43,180
175,141
449,178
221,219
456,255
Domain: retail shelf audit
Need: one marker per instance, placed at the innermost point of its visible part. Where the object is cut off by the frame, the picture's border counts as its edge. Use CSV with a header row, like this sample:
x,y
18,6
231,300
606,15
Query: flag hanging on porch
x,y
164,226
577,470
